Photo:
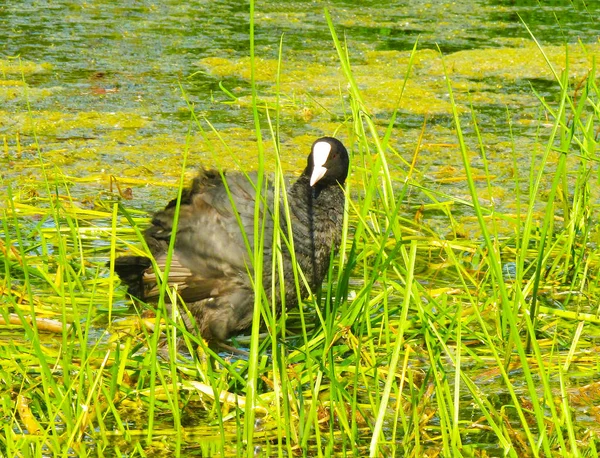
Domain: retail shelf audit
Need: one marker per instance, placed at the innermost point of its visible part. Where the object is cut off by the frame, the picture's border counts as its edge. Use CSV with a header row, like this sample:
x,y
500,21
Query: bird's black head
x,y
328,163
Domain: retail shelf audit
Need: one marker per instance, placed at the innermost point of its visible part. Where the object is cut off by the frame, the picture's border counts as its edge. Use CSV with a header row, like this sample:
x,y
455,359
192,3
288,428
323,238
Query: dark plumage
x,y
210,262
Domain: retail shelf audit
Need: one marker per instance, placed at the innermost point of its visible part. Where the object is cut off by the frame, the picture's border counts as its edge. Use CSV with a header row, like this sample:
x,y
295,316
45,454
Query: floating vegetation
x,y
17,67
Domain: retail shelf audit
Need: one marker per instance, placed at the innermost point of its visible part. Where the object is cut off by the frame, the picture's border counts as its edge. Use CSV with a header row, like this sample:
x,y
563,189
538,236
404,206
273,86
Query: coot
x,y
211,262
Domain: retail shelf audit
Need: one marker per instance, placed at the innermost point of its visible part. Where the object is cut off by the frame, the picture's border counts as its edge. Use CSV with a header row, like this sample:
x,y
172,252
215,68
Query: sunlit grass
x,y
419,343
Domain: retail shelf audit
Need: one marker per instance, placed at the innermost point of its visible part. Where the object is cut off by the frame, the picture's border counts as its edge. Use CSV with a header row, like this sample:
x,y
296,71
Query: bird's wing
x,y
211,254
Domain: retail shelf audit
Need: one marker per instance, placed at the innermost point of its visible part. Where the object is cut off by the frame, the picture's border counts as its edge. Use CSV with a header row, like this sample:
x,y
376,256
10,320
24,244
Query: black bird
x,y
211,263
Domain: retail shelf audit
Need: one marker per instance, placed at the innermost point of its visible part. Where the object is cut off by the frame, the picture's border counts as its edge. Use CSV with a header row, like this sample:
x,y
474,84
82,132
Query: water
x,y
130,57
107,87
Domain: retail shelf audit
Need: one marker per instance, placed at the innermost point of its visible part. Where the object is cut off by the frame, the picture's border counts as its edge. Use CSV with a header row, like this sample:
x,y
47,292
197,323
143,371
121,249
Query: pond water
x,y
104,79
101,87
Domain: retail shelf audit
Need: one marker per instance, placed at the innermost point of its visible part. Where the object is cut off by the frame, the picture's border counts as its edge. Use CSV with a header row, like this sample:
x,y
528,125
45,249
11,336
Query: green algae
x,y
133,158
22,67
19,91
525,62
12,83
311,95
486,73
61,124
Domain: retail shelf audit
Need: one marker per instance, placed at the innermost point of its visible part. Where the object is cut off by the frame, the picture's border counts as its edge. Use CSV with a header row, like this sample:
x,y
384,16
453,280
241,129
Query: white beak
x,y
320,153
318,172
